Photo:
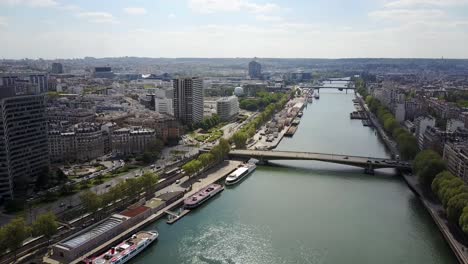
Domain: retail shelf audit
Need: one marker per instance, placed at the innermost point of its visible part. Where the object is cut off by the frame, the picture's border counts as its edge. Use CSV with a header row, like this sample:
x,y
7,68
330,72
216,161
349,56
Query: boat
x,y
300,114
128,249
317,96
203,195
240,173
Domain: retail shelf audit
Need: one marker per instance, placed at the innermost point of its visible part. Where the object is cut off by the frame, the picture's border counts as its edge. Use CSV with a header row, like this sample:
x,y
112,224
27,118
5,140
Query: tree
x,y
423,158
148,181
192,167
428,173
90,201
455,207
206,159
240,139
46,225
15,234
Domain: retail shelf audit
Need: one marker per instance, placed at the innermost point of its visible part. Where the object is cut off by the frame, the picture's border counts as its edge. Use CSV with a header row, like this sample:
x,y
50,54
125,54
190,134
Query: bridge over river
x,y
368,163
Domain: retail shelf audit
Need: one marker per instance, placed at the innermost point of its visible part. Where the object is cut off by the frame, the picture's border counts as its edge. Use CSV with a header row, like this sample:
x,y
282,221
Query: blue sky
x,y
234,28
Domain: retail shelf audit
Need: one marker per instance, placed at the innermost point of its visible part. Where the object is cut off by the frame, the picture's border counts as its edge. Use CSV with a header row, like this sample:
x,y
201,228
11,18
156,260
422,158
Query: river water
x,y
309,212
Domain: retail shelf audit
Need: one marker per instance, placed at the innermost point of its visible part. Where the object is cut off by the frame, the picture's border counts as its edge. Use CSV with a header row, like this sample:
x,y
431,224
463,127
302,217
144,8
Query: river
x,y
309,212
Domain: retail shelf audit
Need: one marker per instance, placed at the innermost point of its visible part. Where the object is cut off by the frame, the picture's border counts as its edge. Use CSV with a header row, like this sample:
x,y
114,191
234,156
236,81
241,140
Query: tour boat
x,y
203,195
237,175
128,249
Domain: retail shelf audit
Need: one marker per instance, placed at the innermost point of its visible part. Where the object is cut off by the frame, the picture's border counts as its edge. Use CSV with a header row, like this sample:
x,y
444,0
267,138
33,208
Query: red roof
x,y
135,211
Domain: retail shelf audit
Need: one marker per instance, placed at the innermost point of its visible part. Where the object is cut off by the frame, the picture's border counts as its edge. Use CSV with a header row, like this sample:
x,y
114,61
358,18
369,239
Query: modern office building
x,y
255,70
188,100
227,108
41,81
103,72
57,68
24,154
163,106
22,82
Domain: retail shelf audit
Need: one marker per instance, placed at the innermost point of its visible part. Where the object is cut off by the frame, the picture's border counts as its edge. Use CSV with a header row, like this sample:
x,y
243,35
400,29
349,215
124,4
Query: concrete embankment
x,y
442,223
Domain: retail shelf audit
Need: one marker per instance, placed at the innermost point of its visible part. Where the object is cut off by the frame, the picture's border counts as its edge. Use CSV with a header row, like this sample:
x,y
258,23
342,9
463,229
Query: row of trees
x,y
240,138
262,100
13,234
216,154
208,122
451,191
407,143
132,187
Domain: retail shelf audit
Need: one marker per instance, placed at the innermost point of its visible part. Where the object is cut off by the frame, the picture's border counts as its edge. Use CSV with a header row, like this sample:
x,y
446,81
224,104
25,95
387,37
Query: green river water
x,y
309,212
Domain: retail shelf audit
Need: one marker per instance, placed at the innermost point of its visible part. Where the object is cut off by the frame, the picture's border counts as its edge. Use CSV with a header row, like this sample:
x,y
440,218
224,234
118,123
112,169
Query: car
x,y
108,185
377,161
62,205
346,157
177,182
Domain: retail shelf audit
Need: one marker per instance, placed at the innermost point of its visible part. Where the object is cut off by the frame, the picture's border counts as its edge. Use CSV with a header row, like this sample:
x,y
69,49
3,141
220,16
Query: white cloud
x,y
3,21
419,3
135,10
212,6
268,18
31,3
408,15
171,16
98,17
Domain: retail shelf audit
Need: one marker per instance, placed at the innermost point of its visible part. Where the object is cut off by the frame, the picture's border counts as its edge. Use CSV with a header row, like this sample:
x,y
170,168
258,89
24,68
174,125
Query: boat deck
x,y
123,249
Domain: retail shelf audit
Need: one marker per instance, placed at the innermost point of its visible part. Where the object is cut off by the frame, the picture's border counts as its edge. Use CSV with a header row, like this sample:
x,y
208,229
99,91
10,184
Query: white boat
x,y
239,174
128,249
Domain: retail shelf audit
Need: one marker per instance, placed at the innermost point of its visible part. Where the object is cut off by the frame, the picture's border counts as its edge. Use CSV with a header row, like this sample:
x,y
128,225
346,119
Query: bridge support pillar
x,y
369,170
262,162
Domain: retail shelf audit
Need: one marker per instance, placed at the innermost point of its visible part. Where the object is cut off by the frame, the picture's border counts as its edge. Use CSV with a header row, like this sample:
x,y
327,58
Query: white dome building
x,y
238,91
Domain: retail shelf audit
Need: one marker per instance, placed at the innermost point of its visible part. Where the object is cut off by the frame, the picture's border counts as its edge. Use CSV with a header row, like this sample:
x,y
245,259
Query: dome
x,y
238,91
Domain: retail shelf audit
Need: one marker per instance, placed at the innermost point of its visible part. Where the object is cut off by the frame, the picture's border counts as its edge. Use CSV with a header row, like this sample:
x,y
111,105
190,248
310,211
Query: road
x,y
60,206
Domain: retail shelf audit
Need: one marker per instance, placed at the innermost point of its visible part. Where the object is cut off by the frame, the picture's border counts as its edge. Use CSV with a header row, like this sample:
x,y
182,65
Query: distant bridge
x,y
368,163
331,87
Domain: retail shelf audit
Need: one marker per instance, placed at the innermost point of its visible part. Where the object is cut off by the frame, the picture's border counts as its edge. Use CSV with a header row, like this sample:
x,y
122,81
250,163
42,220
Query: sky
x,y
52,29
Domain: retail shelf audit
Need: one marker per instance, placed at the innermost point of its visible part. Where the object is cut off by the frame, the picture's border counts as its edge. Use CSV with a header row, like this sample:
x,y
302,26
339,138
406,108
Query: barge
x,y
203,195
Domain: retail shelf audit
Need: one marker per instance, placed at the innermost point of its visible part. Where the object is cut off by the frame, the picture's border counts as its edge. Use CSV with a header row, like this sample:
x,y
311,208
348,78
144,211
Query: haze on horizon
x,y
234,28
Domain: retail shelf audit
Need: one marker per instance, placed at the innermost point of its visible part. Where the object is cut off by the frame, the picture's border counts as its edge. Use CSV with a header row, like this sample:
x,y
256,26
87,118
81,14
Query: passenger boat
x,y
240,173
128,249
317,96
203,195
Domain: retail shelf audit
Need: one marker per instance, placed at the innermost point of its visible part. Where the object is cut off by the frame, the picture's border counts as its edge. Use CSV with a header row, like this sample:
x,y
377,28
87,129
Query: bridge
x,y
368,163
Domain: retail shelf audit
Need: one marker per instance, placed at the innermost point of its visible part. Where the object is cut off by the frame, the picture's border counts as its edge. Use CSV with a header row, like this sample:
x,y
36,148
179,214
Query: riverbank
x,y
435,210
211,176
411,180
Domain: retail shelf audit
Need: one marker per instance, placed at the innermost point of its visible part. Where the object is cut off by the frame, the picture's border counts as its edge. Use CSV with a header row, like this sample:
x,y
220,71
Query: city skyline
x,y
239,28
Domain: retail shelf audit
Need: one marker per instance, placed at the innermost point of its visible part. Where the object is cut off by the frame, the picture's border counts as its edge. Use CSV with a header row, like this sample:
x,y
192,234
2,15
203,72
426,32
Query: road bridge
x,y
368,163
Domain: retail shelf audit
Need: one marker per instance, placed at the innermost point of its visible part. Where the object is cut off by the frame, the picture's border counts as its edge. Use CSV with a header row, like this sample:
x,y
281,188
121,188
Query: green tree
x,y
240,139
15,234
463,221
192,167
423,158
148,181
90,201
455,207
206,159
428,173
46,225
